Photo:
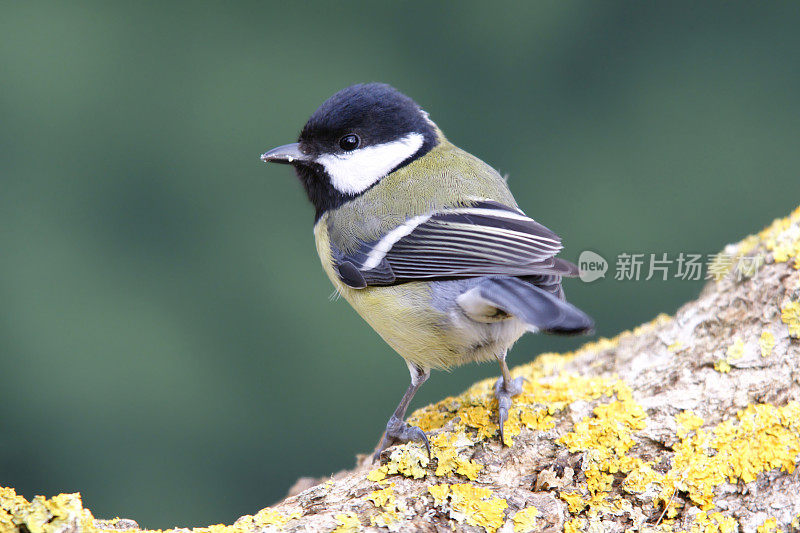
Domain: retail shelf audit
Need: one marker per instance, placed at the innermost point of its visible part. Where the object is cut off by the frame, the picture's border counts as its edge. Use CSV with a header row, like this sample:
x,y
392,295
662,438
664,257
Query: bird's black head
x,y
356,137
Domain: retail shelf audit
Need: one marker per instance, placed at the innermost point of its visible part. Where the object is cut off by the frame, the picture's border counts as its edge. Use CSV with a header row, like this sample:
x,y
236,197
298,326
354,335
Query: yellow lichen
x,y
348,523
598,481
784,251
688,422
575,502
735,351
607,436
725,524
445,448
713,523
445,451
536,419
722,366
271,517
479,417
429,419
762,438
385,500
782,238
409,460
790,315
770,525
40,515
377,475
747,245
477,506
640,478
468,468
564,389
511,428
439,493
382,497
766,343
474,505
575,525
525,520
608,432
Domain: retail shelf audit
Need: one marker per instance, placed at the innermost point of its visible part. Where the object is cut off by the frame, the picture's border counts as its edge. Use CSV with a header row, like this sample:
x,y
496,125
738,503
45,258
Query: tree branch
x,y
685,423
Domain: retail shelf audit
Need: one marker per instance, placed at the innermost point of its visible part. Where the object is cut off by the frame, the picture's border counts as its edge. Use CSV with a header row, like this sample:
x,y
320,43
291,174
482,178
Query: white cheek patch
x,y
354,172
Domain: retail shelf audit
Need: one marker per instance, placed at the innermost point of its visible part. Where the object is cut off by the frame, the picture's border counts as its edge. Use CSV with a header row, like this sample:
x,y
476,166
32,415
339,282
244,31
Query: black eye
x,y
349,142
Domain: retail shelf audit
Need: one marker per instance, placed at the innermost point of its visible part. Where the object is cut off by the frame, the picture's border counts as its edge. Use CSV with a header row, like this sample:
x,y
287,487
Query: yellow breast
x,y
401,314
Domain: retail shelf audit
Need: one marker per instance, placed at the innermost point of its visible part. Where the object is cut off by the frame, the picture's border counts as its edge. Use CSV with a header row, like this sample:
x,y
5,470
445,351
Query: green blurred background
x,y
167,346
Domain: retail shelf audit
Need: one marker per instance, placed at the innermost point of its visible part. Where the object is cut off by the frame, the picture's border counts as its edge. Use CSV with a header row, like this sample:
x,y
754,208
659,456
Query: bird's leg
x,y
504,389
397,430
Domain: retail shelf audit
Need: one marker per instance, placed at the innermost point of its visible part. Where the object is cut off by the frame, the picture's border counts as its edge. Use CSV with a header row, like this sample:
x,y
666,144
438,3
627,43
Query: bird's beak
x,y
286,154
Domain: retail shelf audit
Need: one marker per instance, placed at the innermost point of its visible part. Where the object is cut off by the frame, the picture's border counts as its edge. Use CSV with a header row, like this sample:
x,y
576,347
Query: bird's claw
x,y
399,431
503,392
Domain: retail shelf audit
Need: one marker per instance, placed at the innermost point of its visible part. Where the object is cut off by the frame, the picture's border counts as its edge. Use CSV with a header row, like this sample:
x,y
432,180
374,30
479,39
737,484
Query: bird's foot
x,y
399,431
503,391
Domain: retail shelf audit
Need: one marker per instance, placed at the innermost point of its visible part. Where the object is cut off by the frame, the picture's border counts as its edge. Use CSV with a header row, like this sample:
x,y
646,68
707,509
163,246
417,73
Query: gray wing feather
x,y
485,239
531,304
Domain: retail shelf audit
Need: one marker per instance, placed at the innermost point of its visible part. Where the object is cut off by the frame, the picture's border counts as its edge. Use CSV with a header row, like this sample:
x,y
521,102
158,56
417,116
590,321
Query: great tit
x,y
425,241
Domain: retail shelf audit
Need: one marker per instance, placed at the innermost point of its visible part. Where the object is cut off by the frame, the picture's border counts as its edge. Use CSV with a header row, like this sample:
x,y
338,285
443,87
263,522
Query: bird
x,y
426,242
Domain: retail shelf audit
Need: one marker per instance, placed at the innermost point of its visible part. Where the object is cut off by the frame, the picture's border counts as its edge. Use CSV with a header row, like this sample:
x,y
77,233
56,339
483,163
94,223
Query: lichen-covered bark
x,y
690,423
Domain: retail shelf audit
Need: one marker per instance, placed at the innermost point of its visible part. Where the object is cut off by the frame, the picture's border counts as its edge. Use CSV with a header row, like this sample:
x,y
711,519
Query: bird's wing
x,y
487,238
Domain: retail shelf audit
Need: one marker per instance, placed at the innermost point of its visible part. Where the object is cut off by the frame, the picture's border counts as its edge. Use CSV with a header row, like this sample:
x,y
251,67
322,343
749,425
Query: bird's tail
x,y
534,306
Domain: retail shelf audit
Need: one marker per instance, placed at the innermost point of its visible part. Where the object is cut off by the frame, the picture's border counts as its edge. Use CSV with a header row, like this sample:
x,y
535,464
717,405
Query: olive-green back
x,y
444,177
